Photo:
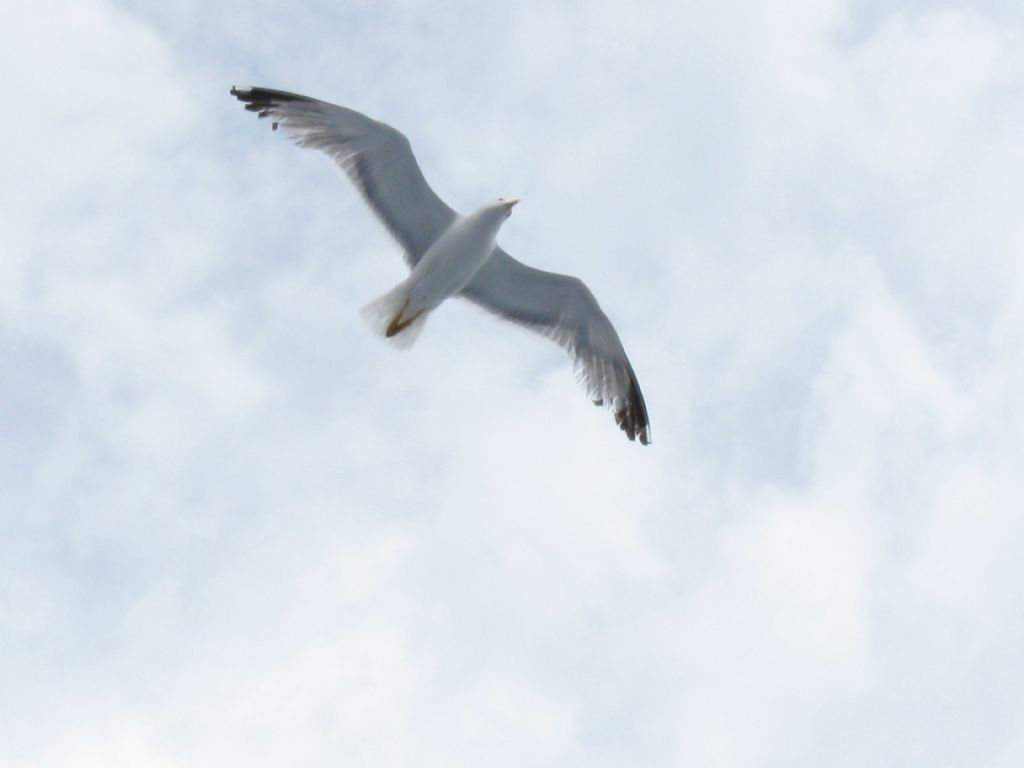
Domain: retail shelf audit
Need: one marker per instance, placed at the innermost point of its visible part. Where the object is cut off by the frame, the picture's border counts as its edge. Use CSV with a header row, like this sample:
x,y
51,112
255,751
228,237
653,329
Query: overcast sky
x,y
236,529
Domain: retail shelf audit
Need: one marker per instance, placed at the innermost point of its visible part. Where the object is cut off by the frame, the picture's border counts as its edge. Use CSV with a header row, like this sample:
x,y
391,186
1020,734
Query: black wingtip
x,y
264,101
632,415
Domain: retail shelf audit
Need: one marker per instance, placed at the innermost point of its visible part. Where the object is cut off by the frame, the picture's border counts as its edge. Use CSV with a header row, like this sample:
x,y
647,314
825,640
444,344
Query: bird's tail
x,y
389,316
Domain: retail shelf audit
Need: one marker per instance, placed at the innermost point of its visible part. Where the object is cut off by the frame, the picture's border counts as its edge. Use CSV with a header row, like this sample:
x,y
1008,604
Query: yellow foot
x,y
398,323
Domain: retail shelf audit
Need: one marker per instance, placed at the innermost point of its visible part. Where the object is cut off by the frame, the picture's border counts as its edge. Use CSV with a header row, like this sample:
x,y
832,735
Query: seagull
x,y
456,255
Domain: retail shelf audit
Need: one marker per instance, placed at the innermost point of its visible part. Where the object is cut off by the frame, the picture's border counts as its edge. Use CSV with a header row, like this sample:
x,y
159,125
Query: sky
x,y
236,529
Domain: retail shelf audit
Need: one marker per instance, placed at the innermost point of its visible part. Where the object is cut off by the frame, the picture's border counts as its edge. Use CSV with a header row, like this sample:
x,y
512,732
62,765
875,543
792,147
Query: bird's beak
x,y
510,203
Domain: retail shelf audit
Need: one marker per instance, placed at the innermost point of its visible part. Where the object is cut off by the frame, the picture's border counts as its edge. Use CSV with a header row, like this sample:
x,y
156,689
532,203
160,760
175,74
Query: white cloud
x,y
239,531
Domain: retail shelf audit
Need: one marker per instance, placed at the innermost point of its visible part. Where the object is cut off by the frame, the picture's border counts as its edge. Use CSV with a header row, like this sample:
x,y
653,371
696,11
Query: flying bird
x,y
456,255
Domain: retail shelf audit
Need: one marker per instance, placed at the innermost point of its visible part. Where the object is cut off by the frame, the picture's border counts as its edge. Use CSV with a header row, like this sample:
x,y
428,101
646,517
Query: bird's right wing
x,y
563,309
376,157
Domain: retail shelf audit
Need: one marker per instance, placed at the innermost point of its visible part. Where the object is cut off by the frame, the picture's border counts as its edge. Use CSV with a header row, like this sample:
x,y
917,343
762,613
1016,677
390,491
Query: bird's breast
x,y
450,263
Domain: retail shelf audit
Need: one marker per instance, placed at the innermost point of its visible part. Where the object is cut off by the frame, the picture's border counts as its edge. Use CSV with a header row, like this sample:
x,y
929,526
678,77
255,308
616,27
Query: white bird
x,y
455,255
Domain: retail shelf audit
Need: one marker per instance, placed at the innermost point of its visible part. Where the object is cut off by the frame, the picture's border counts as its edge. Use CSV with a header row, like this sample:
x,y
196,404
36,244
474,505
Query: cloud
x,y
238,530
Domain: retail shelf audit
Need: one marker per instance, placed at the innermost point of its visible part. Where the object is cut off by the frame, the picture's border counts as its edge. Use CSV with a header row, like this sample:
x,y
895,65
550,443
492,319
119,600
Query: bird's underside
x,y
379,161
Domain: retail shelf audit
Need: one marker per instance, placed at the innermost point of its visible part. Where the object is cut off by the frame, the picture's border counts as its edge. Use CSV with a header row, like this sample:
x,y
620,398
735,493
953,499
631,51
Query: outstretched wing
x,y
563,309
376,157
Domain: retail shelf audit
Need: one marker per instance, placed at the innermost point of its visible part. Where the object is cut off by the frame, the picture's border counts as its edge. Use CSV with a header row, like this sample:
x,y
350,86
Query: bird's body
x,y
448,265
453,255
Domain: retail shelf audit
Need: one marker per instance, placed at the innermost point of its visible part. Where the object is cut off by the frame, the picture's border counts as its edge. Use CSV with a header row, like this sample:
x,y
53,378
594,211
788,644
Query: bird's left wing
x,y
376,157
563,309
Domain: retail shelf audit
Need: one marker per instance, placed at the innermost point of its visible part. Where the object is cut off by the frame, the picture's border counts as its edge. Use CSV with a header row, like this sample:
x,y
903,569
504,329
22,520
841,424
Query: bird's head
x,y
505,206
